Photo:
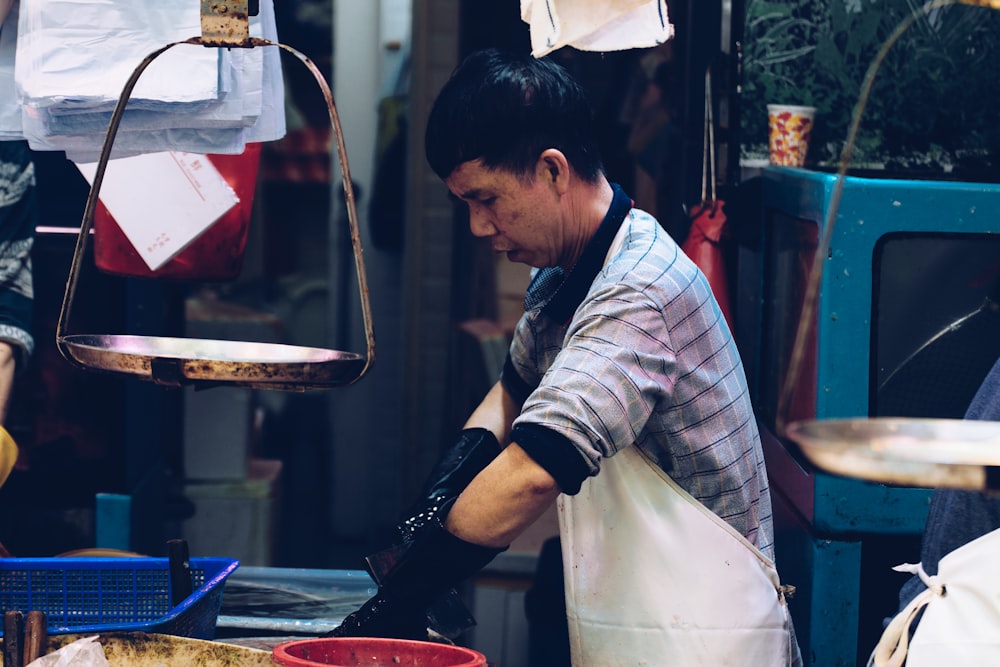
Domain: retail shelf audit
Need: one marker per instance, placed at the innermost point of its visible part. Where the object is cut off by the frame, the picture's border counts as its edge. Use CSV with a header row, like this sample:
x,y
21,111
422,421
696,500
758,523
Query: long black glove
x,y
467,457
472,452
433,563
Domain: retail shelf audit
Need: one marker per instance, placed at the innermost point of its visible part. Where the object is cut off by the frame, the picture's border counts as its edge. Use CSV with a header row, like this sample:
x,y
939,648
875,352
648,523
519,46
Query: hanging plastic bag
x,y
708,221
74,56
10,107
216,255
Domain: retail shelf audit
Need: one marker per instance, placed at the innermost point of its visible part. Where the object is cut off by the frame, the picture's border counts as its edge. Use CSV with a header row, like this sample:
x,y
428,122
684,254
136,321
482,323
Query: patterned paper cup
x,y
789,128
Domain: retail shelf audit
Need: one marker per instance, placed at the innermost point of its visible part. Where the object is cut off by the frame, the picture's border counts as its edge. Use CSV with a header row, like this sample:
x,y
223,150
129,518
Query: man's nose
x,y
480,225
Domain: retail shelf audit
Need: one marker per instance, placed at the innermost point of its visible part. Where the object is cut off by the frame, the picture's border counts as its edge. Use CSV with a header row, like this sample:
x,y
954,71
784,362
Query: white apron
x,y
960,626
653,577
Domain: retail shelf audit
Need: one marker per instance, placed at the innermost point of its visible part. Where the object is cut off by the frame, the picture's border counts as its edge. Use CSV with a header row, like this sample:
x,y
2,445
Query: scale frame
x,y
175,362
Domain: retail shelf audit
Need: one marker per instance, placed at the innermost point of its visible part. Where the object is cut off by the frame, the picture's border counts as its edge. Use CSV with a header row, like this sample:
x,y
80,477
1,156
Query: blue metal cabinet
x,y
824,523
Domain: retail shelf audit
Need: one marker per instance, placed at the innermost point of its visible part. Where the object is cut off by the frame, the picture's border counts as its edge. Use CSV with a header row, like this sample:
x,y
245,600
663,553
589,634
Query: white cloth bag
x,y
596,25
960,626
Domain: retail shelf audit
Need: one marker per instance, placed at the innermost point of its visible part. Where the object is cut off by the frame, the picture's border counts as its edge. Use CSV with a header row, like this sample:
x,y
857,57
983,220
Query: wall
x,y
366,418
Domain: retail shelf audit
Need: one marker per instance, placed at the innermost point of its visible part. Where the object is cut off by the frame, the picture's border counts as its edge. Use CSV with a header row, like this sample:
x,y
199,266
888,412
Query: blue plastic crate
x,y
80,595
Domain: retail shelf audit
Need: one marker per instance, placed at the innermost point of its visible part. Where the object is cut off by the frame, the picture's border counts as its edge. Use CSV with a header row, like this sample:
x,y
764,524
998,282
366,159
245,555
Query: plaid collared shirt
x,y
646,358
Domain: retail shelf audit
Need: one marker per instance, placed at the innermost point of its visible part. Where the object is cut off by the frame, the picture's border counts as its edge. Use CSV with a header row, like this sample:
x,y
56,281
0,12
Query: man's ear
x,y
553,168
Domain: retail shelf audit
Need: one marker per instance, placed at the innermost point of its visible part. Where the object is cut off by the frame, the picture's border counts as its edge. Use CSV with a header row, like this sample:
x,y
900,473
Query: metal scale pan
x,y
191,361
948,453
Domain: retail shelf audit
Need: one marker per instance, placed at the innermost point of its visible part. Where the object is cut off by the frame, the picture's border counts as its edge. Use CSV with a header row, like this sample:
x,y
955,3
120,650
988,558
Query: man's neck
x,y
588,205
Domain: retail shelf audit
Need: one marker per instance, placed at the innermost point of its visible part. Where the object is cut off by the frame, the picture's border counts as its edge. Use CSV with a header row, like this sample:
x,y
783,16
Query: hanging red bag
x,y
708,222
704,246
216,255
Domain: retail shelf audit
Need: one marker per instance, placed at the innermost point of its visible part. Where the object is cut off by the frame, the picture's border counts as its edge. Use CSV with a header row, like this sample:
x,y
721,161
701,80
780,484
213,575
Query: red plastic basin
x,y
372,652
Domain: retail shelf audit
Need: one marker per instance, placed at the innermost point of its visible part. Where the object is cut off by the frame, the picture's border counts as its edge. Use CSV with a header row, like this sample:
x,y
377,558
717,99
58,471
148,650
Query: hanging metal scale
x,y
175,361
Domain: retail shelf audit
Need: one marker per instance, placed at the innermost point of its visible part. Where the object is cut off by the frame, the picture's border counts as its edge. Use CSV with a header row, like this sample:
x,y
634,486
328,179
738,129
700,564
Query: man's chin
x,y
522,258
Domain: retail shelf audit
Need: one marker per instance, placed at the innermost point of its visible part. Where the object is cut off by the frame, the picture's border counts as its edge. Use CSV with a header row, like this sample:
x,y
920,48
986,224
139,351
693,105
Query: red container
x,y
371,652
215,256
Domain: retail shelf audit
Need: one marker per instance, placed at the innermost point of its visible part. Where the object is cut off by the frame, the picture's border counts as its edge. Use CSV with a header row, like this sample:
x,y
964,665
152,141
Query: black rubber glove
x,y
472,452
446,615
433,563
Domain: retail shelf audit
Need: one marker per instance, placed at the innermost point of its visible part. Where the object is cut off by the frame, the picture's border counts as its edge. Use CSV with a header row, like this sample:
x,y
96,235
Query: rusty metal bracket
x,y
226,23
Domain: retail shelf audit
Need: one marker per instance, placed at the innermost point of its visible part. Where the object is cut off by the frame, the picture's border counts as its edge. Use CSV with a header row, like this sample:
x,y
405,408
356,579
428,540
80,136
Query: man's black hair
x,y
506,109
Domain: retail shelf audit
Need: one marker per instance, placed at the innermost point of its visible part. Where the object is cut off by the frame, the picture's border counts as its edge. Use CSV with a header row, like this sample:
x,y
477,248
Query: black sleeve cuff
x,y
518,389
555,453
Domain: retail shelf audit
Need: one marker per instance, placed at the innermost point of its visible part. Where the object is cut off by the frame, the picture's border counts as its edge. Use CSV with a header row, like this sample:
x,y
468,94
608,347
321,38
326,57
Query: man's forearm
x,y
8,366
503,500
496,412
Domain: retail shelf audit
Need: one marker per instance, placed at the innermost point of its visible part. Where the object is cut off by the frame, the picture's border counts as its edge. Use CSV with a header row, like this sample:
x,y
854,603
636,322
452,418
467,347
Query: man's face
x,y
521,218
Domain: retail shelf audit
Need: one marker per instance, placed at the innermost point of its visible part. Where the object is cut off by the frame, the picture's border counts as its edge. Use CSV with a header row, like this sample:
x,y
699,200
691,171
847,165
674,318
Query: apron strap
x,y
895,640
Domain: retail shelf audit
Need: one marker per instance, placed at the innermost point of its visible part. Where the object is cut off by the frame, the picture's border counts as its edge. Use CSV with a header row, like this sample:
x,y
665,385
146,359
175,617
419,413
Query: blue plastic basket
x,y
81,595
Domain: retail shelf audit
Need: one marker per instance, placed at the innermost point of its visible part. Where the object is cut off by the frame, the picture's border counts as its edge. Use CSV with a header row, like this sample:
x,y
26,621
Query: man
x,y
958,517
623,399
961,526
17,231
